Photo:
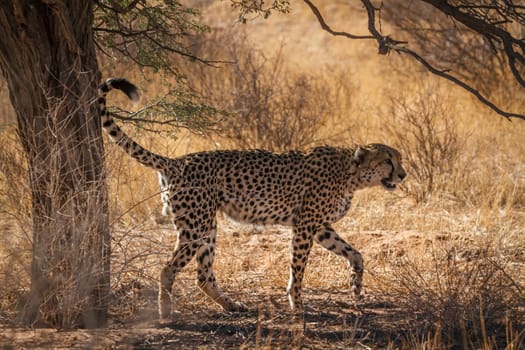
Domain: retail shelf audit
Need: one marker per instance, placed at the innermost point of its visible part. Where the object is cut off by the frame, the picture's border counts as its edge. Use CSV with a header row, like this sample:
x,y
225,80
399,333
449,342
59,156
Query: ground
x,y
329,324
333,318
257,275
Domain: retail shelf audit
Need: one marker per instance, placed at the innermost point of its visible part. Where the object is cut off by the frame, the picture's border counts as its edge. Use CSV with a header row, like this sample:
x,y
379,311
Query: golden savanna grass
x,y
443,255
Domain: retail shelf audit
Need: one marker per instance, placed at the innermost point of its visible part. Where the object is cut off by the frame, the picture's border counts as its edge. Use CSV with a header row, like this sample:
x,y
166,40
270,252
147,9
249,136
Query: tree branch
x,y
462,84
148,34
326,27
482,27
491,31
116,7
384,43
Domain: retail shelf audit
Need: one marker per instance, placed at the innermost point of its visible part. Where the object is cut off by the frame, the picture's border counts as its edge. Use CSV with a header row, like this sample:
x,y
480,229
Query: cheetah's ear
x,y
364,156
360,155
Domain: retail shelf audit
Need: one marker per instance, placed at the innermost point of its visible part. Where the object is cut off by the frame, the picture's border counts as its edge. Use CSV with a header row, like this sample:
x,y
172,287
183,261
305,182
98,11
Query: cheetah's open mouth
x,y
387,181
388,185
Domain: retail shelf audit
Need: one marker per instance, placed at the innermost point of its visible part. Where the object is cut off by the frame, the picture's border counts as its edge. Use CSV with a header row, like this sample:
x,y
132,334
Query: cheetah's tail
x,y
116,134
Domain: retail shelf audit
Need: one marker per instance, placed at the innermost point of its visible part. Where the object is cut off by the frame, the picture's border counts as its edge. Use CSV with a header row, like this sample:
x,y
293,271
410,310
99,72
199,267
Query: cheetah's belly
x,y
260,209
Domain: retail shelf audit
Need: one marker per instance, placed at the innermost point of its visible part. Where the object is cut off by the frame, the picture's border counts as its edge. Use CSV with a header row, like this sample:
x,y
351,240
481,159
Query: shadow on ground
x,y
327,323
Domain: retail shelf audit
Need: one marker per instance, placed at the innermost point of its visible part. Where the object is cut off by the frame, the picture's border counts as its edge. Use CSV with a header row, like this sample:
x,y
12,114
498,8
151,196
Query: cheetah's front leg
x,y
329,239
300,249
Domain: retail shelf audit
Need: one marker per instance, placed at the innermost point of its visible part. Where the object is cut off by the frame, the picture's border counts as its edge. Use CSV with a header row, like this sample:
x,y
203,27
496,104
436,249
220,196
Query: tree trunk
x,y
47,56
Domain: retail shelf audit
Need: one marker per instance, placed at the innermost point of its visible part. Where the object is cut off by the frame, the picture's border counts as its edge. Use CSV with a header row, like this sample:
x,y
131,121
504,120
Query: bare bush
x,y
136,254
444,161
67,246
15,244
271,106
462,293
426,132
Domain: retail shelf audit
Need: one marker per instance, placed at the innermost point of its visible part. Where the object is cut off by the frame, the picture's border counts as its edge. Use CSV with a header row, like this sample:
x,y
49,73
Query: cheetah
x,y
308,191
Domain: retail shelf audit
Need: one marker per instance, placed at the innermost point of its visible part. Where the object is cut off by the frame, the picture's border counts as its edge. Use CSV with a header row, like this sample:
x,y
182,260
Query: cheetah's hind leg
x,y
206,278
183,253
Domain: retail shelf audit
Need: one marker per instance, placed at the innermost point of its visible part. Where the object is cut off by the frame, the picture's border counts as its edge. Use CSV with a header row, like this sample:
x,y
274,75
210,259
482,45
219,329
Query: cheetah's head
x,y
379,165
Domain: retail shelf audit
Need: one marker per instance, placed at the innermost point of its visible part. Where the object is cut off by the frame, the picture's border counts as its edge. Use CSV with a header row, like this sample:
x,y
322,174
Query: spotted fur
x,y
308,191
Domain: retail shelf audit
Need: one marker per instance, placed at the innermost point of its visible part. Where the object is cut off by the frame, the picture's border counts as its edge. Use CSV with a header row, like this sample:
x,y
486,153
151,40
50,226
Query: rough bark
x,y
47,56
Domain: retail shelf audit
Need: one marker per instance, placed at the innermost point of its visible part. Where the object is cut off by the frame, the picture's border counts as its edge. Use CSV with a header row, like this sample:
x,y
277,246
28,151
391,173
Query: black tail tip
x,y
125,86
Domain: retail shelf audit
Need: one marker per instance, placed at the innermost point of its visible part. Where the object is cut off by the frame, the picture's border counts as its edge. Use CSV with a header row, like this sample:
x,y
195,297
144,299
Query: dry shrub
x,y
497,181
427,134
468,293
136,256
463,294
271,105
56,259
447,160
15,242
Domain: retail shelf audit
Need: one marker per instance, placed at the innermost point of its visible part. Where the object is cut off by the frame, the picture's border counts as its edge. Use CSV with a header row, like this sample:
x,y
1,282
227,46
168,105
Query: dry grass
x,y
444,256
